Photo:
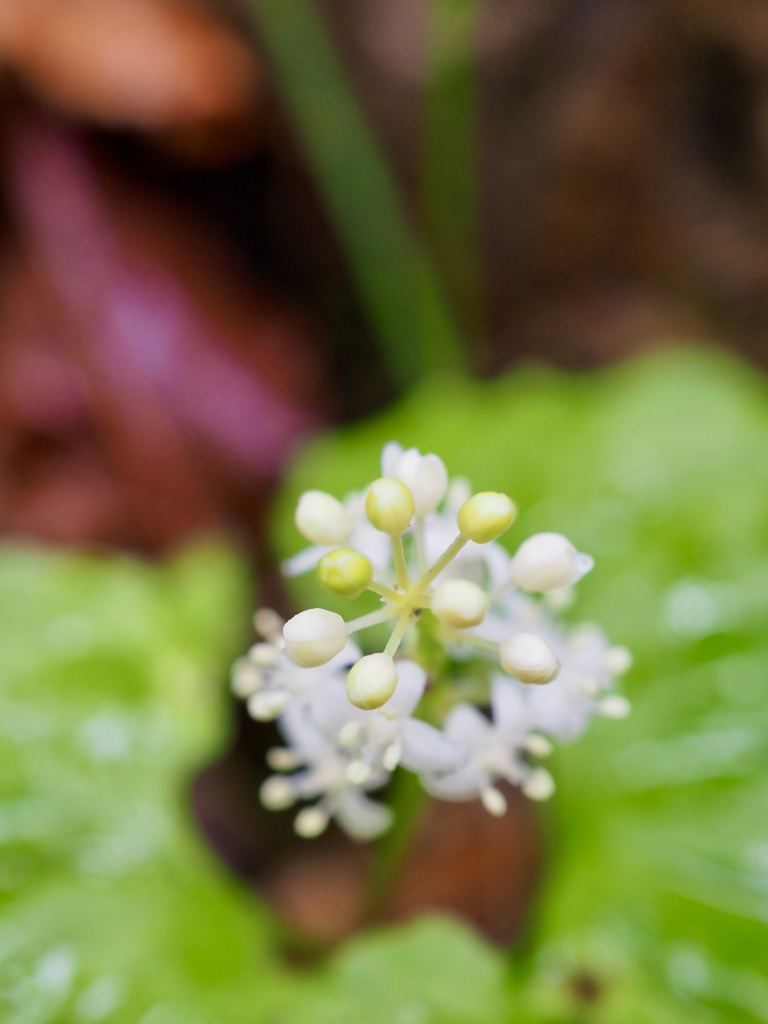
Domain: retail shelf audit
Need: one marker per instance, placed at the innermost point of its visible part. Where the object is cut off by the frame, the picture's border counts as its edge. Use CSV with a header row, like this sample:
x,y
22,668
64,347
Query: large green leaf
x,y
112,693
655,905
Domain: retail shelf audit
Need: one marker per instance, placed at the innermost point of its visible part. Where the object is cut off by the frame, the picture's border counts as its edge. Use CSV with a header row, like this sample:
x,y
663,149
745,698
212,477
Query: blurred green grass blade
x,y
449,193
396,283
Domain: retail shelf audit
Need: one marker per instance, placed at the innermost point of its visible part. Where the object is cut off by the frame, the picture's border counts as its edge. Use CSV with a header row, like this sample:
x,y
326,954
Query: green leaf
x,y
654,907
113,683
112,686
433,971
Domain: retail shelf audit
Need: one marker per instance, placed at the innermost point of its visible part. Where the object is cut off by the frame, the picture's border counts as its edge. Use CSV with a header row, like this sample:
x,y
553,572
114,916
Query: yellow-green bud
x,y
371,681
389,506
459,603
485,516
345,572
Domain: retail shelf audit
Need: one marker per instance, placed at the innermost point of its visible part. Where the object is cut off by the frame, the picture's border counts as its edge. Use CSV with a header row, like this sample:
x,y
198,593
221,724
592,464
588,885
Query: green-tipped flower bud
x,y
371,681
389,506
485,516
321,518
528,658
459,603
345,572
314,637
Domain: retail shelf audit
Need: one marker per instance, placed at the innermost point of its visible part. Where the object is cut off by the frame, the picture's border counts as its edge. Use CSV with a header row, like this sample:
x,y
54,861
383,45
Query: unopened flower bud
x,y
314,636
425,476
528,658
371,681
389,506
345,572
321,518
459,603
485,516
310,822
539,785
276,793
548,561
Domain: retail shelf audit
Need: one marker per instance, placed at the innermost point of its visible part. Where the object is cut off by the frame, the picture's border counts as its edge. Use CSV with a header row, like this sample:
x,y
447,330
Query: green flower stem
x,y
457,636
421,551
371,619
398,633
447,556
386,592
401,569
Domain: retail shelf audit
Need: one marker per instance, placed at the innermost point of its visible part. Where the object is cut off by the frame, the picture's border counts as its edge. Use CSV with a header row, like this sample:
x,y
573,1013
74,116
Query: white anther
x,y
618,660
349,734
494,801
266,705
614,706
538,745
246,678
283,759
263,655
268,623
358,772
310,822
276,793
589,686
539,785
391,757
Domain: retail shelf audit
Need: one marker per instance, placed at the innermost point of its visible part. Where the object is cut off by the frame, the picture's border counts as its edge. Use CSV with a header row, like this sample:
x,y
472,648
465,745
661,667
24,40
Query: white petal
x,y
411,681
466,783
510,708
302,734
467,727
390,456
426,749
360,817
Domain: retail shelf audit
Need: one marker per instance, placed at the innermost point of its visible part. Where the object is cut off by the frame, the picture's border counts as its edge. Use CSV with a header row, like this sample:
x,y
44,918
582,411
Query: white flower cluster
x,y
428,549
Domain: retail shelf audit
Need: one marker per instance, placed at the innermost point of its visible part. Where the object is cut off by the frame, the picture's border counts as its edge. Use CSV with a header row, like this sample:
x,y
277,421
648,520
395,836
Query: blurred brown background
x,y
175,313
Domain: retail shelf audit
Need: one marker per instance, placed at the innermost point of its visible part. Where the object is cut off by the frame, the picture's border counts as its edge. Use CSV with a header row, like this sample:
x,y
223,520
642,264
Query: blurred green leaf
x,y
112,694
655,905
433,970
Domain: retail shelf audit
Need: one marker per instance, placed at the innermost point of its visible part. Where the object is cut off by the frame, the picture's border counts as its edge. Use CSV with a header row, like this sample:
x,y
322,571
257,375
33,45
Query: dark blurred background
x,y
176,310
